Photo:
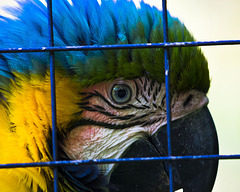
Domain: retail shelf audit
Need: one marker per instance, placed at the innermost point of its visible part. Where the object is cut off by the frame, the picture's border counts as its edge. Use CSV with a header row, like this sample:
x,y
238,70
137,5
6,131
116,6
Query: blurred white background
x,y
215,20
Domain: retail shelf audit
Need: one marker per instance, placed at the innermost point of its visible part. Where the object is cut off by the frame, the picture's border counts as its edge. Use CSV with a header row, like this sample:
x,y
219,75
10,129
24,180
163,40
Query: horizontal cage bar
x,y
122,46
122,160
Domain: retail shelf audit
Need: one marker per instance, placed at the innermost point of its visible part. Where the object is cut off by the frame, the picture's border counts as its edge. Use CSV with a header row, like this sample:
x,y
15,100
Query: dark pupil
x,y
121,93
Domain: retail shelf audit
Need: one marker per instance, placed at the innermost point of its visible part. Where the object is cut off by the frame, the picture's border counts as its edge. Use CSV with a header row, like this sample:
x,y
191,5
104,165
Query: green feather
x,y
86,23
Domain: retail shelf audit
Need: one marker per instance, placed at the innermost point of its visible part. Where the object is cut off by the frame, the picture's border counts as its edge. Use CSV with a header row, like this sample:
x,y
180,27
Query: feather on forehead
x,y
89,23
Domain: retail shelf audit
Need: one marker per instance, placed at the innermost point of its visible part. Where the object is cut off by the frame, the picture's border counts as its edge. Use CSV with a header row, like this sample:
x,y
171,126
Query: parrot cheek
x,y
78,139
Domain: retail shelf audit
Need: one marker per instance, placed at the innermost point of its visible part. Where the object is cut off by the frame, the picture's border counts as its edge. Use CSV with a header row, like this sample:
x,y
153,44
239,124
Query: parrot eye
x,y
121,93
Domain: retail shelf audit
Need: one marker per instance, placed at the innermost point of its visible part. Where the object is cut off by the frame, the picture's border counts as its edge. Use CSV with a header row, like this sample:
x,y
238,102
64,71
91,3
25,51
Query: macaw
x,y
109,103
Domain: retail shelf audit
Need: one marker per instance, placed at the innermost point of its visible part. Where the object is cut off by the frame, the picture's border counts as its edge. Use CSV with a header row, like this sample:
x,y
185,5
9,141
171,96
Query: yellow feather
x,y
25,128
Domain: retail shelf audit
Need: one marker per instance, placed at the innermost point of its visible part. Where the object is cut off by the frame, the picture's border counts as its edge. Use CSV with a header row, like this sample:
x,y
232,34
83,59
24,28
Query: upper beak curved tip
x,y
194,134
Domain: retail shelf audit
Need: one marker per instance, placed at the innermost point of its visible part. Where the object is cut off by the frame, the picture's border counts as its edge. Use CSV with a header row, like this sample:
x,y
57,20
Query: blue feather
x,y
85,177
85,22
82,23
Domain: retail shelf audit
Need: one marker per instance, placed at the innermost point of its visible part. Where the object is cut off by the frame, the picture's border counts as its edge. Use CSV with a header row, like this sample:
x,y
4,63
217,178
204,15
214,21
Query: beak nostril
x,y
187,101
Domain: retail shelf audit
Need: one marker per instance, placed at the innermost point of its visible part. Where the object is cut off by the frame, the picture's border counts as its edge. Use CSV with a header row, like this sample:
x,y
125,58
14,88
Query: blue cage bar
x,y
167,84
51,49
122,46
53,94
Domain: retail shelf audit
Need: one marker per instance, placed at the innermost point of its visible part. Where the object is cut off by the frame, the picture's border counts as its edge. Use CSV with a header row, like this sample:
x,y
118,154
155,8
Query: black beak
x,y
194,134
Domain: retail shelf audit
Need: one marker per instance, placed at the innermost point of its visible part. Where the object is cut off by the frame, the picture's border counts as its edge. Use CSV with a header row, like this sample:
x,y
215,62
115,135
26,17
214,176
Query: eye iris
x,y
121,93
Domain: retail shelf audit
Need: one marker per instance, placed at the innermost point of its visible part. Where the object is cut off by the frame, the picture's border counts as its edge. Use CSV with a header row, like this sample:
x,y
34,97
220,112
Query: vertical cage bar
x,y
53,93
167,84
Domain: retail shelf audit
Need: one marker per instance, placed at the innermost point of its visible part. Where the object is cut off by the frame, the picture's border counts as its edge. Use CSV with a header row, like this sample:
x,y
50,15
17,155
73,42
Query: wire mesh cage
x,y
52,49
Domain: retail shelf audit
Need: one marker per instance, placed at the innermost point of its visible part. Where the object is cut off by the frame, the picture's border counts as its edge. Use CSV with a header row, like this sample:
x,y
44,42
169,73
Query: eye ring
x,y
121,93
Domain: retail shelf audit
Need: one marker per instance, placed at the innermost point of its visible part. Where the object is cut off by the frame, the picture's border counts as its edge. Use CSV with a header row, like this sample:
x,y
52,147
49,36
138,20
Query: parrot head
x,y
110,103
